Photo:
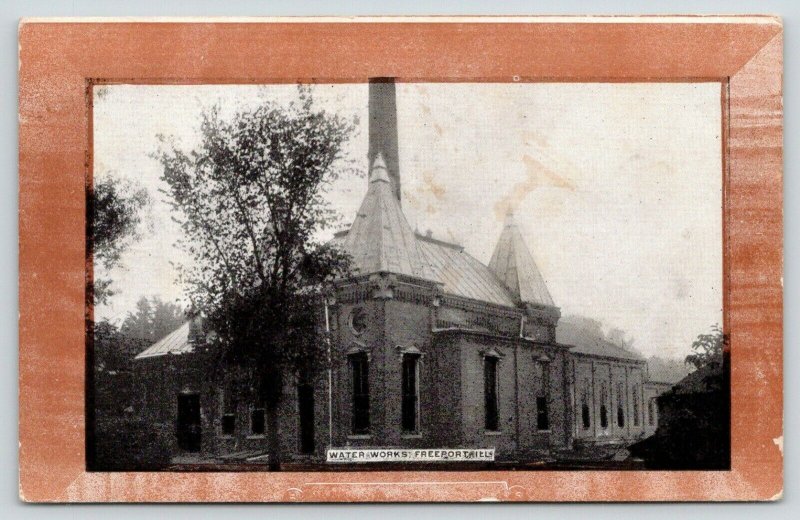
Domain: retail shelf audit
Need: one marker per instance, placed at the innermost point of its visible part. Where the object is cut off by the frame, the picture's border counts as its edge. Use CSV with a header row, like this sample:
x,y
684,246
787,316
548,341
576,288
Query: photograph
x,y
390,275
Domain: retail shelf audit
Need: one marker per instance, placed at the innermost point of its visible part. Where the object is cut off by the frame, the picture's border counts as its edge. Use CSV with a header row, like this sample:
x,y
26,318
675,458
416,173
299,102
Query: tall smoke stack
x,y
383,128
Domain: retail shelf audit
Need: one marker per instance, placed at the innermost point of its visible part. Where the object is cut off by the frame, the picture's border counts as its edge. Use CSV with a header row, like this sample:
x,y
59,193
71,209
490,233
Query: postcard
x,y
401,259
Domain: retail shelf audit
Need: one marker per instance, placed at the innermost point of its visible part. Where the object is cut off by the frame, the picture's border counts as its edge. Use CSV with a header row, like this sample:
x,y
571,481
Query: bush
x,y
131,444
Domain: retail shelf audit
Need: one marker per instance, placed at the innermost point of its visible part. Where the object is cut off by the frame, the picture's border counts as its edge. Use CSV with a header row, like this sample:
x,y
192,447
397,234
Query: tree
x,y
250,200
113,353
708,348
153,319
619,338
116,207
592,329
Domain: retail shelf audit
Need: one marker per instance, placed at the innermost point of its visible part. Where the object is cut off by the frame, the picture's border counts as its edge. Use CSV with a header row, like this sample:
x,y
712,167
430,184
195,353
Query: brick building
x,y
430,348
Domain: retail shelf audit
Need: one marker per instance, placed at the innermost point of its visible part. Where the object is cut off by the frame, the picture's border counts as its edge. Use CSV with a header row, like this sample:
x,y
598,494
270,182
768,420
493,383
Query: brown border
x,y
57,58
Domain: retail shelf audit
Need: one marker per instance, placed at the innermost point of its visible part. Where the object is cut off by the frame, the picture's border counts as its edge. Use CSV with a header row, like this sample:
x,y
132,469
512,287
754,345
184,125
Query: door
x,y
305,397
189,429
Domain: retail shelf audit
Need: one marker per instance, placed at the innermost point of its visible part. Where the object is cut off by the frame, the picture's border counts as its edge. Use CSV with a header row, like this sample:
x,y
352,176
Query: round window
x,y
358,320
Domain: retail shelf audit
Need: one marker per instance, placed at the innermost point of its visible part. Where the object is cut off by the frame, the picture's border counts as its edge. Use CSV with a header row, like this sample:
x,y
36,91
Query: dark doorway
x,y
189,429
305,402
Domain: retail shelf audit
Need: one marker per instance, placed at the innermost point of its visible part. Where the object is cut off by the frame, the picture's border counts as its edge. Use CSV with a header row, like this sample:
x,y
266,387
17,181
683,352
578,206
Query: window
x,y
227,412
620,405
358,320
491,419
333,319
359,369
542,420
586,414
603,406
228,424
542,416
257,423
636,405
651,411
410,393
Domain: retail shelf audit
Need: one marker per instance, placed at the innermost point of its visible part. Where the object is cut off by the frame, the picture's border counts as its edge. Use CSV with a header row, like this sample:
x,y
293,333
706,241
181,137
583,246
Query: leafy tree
x,y
708,348
113,361
116,207
251,204
153,319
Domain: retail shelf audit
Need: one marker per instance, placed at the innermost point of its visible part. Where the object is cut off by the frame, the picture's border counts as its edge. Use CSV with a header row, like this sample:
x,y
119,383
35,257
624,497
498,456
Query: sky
x,y
616,187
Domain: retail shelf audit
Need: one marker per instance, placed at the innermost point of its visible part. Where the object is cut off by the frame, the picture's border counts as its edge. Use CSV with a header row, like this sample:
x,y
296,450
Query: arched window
x,y
636,405
543,375
586,414
620,405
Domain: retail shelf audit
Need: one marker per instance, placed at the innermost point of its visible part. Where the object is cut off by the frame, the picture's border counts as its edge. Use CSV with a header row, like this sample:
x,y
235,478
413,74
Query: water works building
x,y
430,349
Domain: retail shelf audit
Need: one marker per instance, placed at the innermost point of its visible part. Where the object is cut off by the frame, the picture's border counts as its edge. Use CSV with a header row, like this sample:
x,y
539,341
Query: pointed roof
x,y
513,264
380,239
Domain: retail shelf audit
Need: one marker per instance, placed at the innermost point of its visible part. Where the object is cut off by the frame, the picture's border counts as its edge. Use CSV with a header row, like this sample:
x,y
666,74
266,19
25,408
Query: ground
x,y
585,458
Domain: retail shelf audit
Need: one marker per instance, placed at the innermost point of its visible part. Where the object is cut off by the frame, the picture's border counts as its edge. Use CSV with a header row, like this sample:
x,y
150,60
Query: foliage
x,y
251,204
116,207
153,319
129,443
593,329
707,348
666,370
113,350
693,432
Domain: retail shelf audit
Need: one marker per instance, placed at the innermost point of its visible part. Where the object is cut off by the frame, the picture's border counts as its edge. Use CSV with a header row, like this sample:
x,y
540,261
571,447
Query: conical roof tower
x,y
513,264
380,239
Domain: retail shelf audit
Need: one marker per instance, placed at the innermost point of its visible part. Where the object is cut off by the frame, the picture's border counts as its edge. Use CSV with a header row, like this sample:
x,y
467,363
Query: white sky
x,y
616,187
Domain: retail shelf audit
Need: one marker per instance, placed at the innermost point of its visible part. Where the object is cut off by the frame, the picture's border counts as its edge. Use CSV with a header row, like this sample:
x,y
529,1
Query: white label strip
x,y
410,455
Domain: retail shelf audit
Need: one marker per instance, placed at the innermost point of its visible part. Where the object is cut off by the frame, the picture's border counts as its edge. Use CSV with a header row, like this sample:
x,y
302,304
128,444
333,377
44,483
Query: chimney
x,y
383,128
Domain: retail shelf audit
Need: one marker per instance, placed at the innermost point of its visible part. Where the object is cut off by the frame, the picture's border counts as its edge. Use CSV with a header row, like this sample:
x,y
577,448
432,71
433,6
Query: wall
x,y
594,377
408,326
444,408
159,381
519,384
531,383
451,382
472,351
346,341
